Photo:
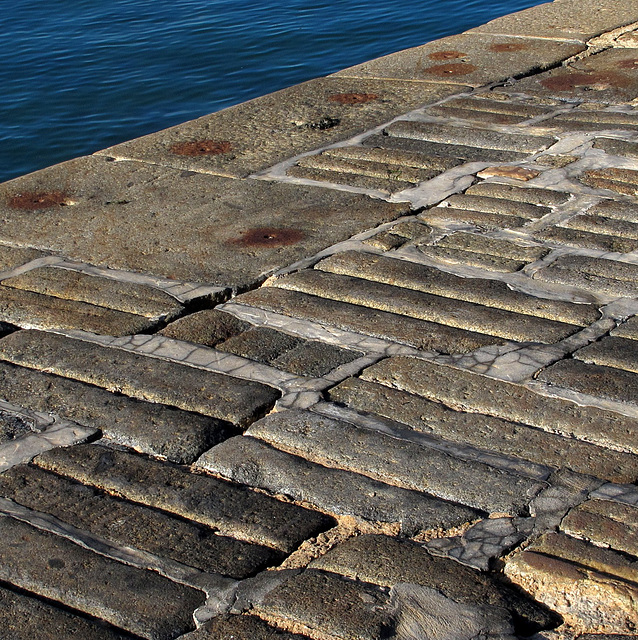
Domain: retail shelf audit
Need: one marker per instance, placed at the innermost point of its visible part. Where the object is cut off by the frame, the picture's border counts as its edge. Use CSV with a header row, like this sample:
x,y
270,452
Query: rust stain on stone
x,y
595,81
32,201
202,148
446,55
508,46
632,63
269,237
352,98
452,69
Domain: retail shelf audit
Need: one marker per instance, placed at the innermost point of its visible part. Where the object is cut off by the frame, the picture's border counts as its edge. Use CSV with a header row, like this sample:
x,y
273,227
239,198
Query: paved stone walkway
x,y
354,360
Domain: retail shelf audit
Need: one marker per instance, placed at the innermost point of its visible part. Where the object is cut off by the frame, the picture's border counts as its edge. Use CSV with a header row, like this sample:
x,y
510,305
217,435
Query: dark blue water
x,y
79,75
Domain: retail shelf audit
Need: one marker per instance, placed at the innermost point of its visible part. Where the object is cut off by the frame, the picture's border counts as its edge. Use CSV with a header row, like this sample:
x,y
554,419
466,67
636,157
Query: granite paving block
x,y
260,343
600,224
186,225
227,508
257,134
55,568
134,525
484,104
12,427
586,240
398,235
501,206
393,157
494,247
233,627
529,195
586,120
468,58
617,147
443,215
486,432
12,257
621,353
389,561
151,379
618,210
208,327
250,461
441,251
594,380
314,359
23,617
466,391
133,298
410,275
425,306
380,324
34,310
623,181
401,462
628,329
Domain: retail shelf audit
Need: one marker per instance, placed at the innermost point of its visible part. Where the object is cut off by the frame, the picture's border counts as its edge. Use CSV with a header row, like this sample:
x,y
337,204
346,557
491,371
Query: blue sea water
x,y
80,75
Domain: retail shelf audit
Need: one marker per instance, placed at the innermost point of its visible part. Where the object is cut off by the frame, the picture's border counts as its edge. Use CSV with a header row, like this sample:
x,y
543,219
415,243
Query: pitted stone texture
x,y
398,235
36,311
529,195
150,428
260,343
133,298
624,181
605,523
621,353
134,525
12,427
606,226
466,391
628,329
388,562
468,58
482,109
397,461
218,396
616,147
254,135
57,569
586,240
23,617
230,510
231,627
410,275
312,358
249,461
425,306
586,120
185,225
208,327
617,210
12,257
486,432
500,206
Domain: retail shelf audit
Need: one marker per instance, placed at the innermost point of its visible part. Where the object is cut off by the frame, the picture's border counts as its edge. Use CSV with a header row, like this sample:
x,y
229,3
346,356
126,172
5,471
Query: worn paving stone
x,y
494,247
586,240
260,343
245,627
401,462
466,391
442,251
55,568
586,120
495,103
594,380
389,561
443,215
608,226
23,617
425,306
12,257
314,359
500,206
623,181
410,275
151,379
133,298
528,195
254,135
618,210
616,147
606,524
150,428
380,324
398,235
230,510
450,110
34,310
190,226
249,461
134,525
12,427
393,158
628,329
208,327
486,432
621,353
468,58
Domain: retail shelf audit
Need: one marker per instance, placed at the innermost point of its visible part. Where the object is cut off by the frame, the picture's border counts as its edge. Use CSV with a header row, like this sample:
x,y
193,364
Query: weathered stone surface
x,y
150,428
617,210
628,329
494,247
36,311
12,257
466,391
393,158
587,240
621,353
586,120
134,525
314,358
249,461
608,226
425,306
410,275
381,324
605,523
504,171
219,396
398,235
133,298
486,432
490,103
616,147
451,110
12,427
529,195
491,221
208,327
26,618
501,206
260,343
441,251
230,627
397,461
229,509
469,58
623,181
186,225
55,568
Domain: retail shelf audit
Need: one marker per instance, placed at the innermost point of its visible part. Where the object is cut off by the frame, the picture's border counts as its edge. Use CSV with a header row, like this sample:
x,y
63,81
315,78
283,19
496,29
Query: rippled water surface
x,y
79,75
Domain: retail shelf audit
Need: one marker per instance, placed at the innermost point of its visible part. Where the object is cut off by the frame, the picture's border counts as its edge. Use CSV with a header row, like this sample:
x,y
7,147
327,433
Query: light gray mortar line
x,y
403,432
623,493
46,261
171,569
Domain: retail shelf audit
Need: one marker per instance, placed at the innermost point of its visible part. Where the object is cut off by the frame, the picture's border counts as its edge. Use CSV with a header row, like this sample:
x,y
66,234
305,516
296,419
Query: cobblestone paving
x,y
355,360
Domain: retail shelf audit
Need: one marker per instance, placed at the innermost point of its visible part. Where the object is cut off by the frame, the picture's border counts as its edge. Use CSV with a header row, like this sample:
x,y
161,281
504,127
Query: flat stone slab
x,y
401,462
176,224
250,461
134,525
151,379
466,391
627,329
486,432
230,510
254,135
621,353
528,195
443,215
586,239
12,257
232,627
57,569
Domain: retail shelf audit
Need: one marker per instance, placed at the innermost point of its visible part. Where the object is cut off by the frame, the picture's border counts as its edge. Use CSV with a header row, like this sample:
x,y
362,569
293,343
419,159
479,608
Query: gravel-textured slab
x,y
12,257
232,627
529,195
621,353
624,181
443,215
586,239
208,327
605,226
619,147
